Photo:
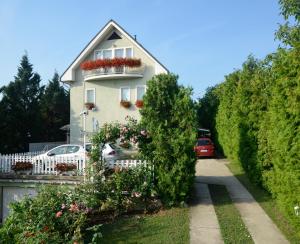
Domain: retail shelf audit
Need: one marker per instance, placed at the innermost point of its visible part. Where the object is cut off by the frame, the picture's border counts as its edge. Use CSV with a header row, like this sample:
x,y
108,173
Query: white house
x,y
113,67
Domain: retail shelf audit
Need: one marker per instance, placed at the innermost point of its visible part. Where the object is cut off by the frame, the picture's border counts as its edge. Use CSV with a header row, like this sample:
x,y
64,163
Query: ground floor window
x,y
90,95
125,94
140,92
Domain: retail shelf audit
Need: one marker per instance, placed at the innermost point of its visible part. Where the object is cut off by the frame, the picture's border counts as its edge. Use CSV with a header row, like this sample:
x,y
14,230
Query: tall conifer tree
x,y
21,120
55,109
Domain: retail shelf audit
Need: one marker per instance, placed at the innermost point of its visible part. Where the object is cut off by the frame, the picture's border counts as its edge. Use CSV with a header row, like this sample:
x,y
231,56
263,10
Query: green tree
x,y
55,110
20,108
289,33
169,115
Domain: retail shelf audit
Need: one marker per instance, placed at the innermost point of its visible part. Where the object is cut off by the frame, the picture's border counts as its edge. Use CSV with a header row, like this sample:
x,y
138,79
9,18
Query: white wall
x,y
14,193
107,93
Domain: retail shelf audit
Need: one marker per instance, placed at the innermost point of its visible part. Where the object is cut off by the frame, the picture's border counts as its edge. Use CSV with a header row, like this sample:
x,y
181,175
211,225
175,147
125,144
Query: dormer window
x,y
120,52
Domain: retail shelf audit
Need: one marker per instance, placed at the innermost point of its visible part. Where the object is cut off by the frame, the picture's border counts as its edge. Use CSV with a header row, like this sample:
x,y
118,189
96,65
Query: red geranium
x,y
139,103
109,63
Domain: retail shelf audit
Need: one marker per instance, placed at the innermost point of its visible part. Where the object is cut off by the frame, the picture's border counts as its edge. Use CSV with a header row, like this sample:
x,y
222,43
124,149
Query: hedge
x,y
258,124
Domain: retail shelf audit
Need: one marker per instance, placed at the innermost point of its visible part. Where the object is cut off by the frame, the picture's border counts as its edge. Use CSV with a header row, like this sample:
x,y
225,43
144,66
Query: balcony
x,y
114,73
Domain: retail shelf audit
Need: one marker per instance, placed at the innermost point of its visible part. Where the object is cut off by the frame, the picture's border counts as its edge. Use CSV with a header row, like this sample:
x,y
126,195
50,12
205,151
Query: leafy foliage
x,y
258,124
206,113
55,215
169,116
258,117
65,215
55,110
29,112
19,106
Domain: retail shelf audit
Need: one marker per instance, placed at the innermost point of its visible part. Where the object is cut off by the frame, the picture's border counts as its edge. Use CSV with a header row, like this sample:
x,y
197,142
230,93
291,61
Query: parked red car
x,y
205,147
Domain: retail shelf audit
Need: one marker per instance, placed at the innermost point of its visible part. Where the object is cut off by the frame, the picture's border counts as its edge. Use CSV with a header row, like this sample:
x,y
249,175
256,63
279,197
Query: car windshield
x,y
72,149
58,150
203,142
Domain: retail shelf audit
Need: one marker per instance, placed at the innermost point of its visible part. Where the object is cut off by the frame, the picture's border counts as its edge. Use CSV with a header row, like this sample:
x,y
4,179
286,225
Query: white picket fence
x,y
42,165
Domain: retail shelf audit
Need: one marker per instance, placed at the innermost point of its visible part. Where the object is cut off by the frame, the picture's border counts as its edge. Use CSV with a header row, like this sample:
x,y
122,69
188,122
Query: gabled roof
x,y
69,74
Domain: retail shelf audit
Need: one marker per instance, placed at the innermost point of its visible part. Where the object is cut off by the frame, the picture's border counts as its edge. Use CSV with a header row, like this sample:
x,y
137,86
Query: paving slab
x,y
259,224
204,226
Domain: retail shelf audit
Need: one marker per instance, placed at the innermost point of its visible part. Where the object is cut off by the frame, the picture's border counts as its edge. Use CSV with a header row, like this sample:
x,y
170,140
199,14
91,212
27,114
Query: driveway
x,y
260,226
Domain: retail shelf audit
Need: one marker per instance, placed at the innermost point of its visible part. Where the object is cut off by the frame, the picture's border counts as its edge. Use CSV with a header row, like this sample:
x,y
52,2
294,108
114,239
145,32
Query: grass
x,y
232,227
169,226
267,203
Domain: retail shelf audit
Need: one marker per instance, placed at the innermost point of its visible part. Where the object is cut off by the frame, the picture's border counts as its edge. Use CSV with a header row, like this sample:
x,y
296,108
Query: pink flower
x,y
137,194
63,206
74,208
58,214
143,133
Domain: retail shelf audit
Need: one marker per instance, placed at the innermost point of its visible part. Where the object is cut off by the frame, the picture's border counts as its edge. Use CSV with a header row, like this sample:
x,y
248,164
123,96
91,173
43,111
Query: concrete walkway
x,y
260,226
204,226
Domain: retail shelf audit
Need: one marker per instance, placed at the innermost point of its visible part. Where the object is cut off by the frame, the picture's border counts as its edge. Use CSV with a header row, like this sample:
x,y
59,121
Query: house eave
x,y
68,76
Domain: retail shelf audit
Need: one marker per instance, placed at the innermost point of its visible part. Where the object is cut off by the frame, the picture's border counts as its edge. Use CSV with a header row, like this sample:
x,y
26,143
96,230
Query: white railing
x,y
135,71
43,165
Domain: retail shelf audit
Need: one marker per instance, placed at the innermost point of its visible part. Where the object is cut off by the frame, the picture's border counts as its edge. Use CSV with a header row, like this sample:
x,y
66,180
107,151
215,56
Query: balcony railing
x,y
114,73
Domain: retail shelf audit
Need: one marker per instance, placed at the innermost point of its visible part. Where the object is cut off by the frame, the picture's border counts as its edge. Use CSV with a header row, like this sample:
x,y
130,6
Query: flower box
x,y
22,168
110,63
139,103
64,168
125,104
89,106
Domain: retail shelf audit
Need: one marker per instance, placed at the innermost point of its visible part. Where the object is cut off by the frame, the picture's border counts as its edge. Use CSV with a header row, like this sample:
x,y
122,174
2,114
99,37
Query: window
x,y
90,95
114,36
129,52
72,149
203,142
57,151
119,53
140,92
107,54
98,54
125,94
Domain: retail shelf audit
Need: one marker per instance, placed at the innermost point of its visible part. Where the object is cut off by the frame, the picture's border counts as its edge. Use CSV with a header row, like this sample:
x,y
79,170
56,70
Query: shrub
x,y
257,122
55,215
169,116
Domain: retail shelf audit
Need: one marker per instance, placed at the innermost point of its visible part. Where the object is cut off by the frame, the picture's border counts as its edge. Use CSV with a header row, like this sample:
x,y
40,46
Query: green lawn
x,y
170,226
232,227
267,203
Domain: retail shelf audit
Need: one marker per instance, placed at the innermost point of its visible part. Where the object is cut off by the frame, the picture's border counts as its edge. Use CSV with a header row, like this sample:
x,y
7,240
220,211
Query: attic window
x,y
114,36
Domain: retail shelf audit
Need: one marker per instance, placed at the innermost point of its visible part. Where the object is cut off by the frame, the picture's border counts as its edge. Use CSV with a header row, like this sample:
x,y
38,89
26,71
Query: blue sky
x,y
200,40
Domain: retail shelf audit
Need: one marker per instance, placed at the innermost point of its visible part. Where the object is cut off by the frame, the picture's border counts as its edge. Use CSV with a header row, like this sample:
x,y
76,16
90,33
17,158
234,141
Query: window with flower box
x,y
140,92
125,93
90,95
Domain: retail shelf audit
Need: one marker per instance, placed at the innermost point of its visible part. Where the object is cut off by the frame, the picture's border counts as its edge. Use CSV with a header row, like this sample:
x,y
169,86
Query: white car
x,y
73,150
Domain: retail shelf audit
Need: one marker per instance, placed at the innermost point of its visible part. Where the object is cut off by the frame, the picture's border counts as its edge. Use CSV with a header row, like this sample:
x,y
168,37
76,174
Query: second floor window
x,y
114,53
